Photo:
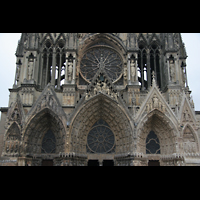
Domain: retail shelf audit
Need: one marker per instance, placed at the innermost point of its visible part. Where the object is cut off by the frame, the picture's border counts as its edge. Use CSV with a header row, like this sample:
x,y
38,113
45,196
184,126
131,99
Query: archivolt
x,y
110,39
156,121
38,126
101,107
190,139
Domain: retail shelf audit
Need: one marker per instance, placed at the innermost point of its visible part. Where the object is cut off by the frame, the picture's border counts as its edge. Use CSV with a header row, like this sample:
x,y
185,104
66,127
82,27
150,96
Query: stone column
x,y
53,68
41,69
168,70
34,67
59,71
142,71
148,69
74,69
160,66
47,69
136,68
26,69
186,80
129,70
17,73
177,71
66,69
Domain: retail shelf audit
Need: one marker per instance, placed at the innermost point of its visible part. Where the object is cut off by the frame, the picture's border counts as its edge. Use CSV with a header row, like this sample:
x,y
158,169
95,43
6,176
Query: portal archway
x,y
190,140
101,107
38,127
157,122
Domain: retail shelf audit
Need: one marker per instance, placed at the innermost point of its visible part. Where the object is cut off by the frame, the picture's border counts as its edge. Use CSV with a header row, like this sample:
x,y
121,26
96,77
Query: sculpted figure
x,y
30,70
155,102
172,70
70,70
132,70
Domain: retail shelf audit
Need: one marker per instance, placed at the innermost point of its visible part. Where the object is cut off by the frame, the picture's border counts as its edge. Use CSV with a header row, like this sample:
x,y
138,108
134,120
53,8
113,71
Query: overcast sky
x,y
8,45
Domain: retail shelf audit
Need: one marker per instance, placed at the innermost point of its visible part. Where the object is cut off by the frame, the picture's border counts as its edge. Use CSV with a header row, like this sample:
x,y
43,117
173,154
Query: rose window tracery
x,y
100,138
103,58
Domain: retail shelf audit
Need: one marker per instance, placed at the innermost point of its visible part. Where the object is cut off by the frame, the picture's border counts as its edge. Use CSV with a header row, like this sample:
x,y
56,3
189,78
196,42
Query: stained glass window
x,y
101,58
101,138
152,144
49,143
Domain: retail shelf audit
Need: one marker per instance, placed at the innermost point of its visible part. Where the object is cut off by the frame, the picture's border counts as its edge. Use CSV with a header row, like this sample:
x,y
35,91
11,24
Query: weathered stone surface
x,y
65,83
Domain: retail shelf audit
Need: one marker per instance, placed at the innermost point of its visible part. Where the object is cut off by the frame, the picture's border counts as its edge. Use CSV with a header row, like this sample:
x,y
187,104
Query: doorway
x,y
93,163
47,162
107,163
153,163
104,163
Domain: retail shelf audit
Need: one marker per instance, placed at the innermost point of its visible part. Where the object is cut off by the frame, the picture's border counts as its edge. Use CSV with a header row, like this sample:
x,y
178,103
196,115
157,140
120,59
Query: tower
x,y
100,99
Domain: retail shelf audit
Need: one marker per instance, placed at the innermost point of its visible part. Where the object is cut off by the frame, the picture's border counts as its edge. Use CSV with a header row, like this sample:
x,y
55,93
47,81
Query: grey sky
x,y
8,45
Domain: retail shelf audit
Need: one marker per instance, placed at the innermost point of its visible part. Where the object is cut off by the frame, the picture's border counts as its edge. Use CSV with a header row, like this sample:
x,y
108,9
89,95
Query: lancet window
x,y
47,63
148,61
50,74
49,143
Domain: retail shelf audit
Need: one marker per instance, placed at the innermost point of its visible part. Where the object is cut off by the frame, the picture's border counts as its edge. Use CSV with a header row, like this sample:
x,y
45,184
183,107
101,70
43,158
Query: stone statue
x,y
104,87
155,102
70,70
172,70
18,72
132,66
30,70
183,77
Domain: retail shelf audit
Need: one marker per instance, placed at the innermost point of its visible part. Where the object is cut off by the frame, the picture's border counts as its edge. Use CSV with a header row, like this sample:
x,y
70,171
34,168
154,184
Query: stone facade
x,y
119,98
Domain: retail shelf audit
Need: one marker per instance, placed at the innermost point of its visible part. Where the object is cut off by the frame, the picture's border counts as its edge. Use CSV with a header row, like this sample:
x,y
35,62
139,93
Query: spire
x,y
20,46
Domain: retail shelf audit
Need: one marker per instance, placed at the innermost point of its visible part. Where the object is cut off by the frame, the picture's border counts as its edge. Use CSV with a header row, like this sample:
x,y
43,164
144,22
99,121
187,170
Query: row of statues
x,y
69,73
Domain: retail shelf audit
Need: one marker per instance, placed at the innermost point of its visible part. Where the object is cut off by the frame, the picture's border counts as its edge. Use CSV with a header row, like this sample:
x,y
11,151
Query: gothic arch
x,y
48,36
190,139
14,129
61,38
38,126
12,140
106,39
101,107
164,129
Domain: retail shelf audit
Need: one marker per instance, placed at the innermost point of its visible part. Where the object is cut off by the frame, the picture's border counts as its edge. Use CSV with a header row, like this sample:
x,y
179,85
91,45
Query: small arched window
x,y
152,144
49,143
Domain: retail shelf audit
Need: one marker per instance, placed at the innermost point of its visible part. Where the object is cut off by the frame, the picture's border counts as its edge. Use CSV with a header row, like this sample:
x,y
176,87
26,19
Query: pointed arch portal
x,y
156,134
44,133
103,126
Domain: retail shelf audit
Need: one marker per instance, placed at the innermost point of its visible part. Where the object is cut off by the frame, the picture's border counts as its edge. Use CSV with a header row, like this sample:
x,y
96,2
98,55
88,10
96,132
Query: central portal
x,y
96,163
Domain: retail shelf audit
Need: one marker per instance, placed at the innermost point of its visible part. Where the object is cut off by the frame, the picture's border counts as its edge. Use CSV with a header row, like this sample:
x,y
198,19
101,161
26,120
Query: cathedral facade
x,y
83,99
